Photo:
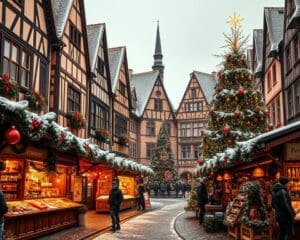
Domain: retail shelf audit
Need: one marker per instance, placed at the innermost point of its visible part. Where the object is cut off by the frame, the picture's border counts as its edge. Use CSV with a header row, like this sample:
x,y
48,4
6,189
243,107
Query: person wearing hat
x,y
202,198
284,212
114,200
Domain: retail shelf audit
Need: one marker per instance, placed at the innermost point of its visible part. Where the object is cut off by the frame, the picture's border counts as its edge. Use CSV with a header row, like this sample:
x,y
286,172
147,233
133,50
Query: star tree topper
x,y
235,41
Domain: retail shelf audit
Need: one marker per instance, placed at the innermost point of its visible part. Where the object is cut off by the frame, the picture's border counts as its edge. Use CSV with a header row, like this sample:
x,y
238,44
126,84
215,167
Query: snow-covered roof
x,y
61,10
61,139
94,35
116,56
296,13
143,84
207,83
275,20
245,150
258,37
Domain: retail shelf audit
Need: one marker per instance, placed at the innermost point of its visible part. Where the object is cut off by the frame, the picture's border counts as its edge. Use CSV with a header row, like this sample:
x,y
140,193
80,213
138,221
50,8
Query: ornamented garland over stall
x,y
34,127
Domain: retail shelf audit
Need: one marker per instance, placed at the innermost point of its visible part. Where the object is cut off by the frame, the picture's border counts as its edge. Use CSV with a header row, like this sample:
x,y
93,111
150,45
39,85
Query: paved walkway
x,y
187,227
153,225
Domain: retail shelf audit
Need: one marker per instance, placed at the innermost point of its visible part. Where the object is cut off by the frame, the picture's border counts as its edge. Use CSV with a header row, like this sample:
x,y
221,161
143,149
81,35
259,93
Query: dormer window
x,y
100,66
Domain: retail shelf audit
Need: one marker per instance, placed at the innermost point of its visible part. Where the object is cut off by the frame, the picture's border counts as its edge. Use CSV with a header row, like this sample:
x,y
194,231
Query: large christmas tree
x,y
237,111
163,163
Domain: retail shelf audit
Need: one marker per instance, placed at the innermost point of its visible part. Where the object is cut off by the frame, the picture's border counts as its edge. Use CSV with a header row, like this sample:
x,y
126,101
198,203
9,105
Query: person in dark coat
x,y
177,189
115,199
141,201
155,188
163,188
183,190
3,210
169,189
284,212
202,198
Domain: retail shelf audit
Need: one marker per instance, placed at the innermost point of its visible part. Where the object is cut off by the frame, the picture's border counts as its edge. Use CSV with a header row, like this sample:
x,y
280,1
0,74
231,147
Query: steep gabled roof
x,y
258,37
94,34
143,84
207,83
61,10
274,19
293,21
116,56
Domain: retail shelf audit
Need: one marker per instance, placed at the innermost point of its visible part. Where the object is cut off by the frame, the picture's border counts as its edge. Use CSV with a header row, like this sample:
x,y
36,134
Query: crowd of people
x,y
165,189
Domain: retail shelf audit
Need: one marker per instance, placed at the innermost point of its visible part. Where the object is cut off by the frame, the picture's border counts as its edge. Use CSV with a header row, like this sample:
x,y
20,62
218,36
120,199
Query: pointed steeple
x,y
158,63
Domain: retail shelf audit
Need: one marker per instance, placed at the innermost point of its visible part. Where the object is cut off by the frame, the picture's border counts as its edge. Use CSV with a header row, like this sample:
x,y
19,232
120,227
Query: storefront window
x,y
39,184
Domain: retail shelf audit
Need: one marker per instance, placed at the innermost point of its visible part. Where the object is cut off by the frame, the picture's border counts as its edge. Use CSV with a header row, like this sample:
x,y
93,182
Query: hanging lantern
x,y
219,178
248,123
258,172
12,135
227,176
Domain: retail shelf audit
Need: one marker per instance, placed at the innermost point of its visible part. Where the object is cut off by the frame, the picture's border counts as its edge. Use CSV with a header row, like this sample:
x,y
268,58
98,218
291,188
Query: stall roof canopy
x,y
245,151
40,127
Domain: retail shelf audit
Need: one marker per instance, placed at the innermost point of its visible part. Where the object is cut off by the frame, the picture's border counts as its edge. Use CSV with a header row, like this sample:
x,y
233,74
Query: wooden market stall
x,y
38,201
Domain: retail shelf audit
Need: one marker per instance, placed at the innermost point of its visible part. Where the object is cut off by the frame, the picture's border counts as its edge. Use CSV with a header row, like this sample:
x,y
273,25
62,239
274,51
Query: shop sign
x,y
293,151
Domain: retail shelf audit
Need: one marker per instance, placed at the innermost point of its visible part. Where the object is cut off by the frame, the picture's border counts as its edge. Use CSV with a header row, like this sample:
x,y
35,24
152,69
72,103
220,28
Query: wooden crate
x,y
234,232
249,234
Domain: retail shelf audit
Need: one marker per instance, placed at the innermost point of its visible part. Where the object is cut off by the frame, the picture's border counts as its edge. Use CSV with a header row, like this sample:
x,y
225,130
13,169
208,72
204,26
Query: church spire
x,y
158,64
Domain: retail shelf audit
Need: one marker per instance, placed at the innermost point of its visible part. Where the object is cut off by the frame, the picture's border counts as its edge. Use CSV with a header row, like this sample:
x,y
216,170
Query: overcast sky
x,y
191,32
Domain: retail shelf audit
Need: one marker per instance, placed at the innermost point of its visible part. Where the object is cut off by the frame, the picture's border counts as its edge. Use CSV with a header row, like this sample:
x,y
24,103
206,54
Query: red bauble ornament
x,y
229,141
266,129
241,91
237,113
212,174
200,161
219,89
12,136
257,109
226,129
248,123
255,120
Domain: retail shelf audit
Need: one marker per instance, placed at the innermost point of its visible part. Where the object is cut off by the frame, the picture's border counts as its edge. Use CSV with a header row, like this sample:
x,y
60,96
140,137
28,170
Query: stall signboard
x,y
147,200
292,151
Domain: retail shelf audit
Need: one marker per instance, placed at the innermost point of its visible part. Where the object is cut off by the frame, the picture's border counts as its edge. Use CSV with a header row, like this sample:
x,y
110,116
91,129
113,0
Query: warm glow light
x,y
277,176
227,176
58,180
219,178
258,172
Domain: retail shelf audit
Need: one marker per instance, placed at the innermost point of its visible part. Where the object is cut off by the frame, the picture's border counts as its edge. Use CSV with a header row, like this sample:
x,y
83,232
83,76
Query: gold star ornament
x,y
235,20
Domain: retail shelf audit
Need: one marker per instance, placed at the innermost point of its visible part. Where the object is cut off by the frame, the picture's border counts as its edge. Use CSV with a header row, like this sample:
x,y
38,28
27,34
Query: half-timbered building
x,y
100,98
133,125
291,57
192,119
25,37
70,67
153,108
272,59
122,99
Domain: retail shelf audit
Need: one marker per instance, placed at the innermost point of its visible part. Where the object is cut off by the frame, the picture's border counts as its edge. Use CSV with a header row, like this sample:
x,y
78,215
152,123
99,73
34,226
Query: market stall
x,y
262,159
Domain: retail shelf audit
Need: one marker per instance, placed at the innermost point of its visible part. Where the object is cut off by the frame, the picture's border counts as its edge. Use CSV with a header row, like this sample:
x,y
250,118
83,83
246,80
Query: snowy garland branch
x,y
38,127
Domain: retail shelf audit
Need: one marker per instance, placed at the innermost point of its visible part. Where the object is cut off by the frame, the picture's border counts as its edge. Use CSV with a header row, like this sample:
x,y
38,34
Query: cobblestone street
x,y
169,222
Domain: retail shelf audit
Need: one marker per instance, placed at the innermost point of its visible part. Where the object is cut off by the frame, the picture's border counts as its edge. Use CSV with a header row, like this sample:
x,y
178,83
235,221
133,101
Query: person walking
x,y
202,198
169,189
163,188
183,190
3,210
115,199
177,189
284,212
155,189
141,201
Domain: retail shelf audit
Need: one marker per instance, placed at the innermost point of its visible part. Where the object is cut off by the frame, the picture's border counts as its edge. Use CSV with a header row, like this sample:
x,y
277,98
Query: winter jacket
x,y
3,207
202,195
282,203
141,190
115,198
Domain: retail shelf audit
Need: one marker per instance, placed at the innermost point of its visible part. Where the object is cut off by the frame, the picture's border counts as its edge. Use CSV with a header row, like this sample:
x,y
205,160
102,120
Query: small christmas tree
x,y
192,204
237,111
163,163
